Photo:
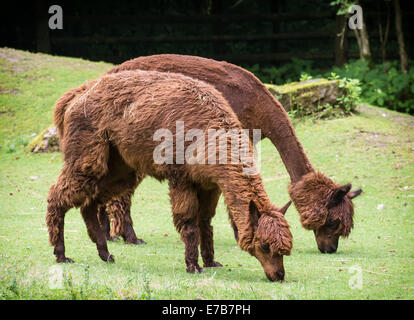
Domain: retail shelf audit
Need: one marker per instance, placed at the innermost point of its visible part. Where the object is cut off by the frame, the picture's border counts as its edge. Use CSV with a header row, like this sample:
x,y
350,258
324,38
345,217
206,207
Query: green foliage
x,y
288,72
304,76
12,145
352,95
349,91
343,6
383,85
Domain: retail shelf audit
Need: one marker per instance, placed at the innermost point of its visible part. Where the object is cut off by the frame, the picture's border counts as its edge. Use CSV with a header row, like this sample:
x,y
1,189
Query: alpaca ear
x,y
354,194
339,195
285,207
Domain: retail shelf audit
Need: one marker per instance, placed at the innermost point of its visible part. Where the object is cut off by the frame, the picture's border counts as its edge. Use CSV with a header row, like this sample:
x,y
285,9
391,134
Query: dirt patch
x,y
17,61
8,91
377,139
403,119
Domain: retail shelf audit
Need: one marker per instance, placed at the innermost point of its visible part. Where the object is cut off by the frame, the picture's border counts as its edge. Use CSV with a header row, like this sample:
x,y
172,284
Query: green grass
x,y
372,151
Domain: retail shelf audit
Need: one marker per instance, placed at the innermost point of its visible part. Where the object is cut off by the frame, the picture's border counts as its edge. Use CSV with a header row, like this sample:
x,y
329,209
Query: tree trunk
x,y
363,41
383,33
341,41
400,37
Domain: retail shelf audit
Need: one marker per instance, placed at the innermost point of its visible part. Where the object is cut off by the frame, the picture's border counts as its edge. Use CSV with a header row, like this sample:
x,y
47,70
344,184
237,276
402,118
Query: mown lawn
x,y
373,149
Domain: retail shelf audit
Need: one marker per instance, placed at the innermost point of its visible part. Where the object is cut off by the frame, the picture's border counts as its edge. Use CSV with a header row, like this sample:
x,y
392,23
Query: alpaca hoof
x,y
108,258
136,241
194,269
213,264
64,260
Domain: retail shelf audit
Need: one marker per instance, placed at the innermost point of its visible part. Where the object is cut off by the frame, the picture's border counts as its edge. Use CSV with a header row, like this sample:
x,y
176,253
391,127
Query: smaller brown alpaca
x,y
107,130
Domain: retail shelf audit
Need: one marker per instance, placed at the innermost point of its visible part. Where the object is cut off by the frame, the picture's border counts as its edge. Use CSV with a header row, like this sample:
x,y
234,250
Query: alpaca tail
x,y
63,104
116,214
118,210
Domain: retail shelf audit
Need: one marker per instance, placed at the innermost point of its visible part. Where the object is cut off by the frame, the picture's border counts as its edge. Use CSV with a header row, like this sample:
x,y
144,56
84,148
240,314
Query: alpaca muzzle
x,y
275,276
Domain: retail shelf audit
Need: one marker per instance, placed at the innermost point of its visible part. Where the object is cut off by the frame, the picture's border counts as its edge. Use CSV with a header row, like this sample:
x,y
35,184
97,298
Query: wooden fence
x,y
47,40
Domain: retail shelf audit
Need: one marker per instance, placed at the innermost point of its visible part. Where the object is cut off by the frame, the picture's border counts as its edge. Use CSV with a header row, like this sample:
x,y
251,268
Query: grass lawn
x,y
373,149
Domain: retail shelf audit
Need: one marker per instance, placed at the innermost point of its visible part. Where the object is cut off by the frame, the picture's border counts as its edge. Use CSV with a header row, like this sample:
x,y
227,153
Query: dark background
x,y
245,32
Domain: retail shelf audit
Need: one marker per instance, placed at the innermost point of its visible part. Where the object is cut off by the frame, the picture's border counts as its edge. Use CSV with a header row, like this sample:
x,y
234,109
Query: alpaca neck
x,y
237,193
278,128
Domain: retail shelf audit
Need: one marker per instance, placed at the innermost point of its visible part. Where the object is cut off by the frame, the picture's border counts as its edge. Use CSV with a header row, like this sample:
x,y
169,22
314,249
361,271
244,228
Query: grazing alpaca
x,y
324,206
107,129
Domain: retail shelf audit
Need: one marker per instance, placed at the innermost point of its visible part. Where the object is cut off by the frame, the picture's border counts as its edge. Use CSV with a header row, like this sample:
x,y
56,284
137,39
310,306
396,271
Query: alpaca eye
x,y
264,247
332,224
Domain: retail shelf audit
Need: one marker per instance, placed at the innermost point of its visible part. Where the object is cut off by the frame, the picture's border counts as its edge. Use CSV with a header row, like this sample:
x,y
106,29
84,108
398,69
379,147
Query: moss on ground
x,y
307,97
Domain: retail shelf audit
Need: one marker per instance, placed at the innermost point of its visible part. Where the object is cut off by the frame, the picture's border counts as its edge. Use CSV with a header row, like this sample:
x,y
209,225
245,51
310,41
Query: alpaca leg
x,y
63,195
76,185
120,211
185,207
207,201
235,230
105,224
129,233
55,220
95,232
190,236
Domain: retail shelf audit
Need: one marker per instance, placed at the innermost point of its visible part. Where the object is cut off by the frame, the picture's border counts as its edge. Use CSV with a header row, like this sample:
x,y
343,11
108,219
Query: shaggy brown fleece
x,y
256,108
314,207
119,210
107,140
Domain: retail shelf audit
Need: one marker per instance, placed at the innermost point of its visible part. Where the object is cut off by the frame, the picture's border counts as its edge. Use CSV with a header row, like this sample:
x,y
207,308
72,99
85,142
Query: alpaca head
x,y
324,207
272,239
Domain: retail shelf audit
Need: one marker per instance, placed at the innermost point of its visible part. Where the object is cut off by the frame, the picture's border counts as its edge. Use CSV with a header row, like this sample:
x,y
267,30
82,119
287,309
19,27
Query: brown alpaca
x,y
312,193
107,135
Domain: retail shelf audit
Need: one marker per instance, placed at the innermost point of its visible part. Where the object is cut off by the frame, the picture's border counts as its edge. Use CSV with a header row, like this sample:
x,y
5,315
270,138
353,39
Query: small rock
x,y
381,206
46,141
33,177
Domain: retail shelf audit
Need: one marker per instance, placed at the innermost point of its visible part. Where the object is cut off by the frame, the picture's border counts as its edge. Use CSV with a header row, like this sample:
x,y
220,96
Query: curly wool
x,y
310,197
274,231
